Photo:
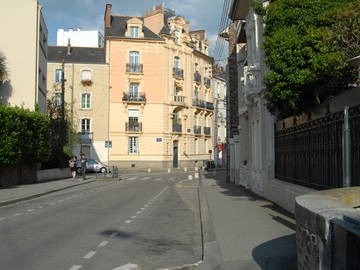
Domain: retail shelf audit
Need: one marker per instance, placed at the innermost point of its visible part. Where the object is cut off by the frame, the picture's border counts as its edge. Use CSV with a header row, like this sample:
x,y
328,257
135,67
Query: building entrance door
x,y
175,154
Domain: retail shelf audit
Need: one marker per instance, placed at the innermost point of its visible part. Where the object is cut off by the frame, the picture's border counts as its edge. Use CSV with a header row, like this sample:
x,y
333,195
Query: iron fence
x,y
310,154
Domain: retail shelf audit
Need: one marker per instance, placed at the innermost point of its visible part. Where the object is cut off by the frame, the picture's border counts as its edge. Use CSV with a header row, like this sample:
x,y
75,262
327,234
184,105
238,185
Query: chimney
x,y
107,16
68,48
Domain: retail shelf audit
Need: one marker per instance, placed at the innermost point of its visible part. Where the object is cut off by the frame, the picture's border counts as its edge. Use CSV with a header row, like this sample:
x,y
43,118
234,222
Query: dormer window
x,y
134,28
134,31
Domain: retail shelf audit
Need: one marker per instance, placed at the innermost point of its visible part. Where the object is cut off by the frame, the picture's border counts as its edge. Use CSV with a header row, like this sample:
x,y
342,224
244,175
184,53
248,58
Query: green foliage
x,y
24,136
306,67
258,8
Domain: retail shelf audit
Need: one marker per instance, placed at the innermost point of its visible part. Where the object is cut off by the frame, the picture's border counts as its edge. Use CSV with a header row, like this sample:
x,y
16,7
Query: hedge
x,y
24,136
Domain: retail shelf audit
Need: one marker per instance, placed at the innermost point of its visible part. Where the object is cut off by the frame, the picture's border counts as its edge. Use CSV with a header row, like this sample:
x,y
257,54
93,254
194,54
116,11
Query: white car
x,y
93,166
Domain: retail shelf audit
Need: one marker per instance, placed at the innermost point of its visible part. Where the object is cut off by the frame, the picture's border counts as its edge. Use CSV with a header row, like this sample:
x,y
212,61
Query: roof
x,y
222,76
118,29
87,55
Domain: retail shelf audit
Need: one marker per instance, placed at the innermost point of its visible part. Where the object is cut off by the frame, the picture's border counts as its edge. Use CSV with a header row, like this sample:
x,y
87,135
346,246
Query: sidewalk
x,y
252,233
19,193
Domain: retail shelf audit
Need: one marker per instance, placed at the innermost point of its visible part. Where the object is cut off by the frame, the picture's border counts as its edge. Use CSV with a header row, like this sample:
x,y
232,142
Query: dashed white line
x,y
103,243
145,178
40,207
128,221
52,203
2,218
31,210
138,212
142,208
17,214
75,267
60,200
89,255
133,217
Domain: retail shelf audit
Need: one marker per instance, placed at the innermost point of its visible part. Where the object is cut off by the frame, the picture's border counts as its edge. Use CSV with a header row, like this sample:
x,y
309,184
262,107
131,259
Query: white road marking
x,y
31,210
89,255
2,218
142,208
131,178
17,214
60,200
103,243
129,266
158,179
138,212
40,207
52,203
113,234
133,217
150,202
75,267
128,221
145,178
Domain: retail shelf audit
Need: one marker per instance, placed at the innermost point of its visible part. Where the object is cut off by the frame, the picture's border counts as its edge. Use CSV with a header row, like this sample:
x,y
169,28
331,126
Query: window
x,y
57,99
133,145
85,101
133,115
134,57
197,67
134,89
196,93
86,75
206,72
58,75
134,31
177,61
85,125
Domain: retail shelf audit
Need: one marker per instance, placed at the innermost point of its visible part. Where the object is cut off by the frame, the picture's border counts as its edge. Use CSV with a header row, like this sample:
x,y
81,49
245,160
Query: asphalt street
x,y
151,220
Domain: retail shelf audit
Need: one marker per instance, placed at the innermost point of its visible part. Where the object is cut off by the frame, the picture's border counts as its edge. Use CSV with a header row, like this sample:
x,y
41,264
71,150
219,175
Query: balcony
x,y
197,77
197,130
198,103
134,68
207,82
133,127
137,97
209,106
85,136
178,73
177,128
179,100
207,131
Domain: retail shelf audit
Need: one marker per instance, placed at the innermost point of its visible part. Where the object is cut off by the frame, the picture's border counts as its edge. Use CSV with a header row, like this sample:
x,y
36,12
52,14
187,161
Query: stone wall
x,y
17,174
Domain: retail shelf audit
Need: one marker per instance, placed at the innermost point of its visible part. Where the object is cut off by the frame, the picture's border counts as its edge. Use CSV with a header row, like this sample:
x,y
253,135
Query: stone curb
x,y
3,203
211,249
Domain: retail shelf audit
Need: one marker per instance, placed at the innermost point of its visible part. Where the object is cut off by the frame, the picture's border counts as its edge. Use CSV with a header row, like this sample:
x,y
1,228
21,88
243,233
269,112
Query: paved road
x,y
151,220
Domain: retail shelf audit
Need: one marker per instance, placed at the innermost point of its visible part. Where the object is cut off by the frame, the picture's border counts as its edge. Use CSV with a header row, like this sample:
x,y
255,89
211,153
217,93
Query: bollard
x,y
203,168
196,169
169,170
196,175
149,169
185,169
190,177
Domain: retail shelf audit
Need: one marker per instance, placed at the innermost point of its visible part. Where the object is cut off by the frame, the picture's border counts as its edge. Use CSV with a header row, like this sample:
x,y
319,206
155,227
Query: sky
x,y
89,14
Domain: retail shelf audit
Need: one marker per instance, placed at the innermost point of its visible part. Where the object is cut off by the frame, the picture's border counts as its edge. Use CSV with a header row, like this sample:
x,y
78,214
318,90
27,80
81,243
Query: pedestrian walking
x,y
72,165
83,162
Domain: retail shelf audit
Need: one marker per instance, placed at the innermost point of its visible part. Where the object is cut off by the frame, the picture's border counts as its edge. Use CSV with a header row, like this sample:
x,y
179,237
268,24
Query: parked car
x,y
93,166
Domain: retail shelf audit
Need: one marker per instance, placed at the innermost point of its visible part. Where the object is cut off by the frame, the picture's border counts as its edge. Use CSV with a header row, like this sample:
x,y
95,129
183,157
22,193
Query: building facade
x,y
219,84
79,38
26,65
161,103
86,95
252,149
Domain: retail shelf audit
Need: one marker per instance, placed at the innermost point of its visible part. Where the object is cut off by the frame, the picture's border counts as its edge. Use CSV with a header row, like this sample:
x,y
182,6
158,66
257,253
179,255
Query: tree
x,y
307,65
3,72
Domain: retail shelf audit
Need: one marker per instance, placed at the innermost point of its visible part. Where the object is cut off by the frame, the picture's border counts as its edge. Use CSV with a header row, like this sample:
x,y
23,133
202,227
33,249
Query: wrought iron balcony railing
x,y
134,97
85,136
207,130
207,81
209,105
133,127
134,68
198,103
197,77
178,72
177,127
197,130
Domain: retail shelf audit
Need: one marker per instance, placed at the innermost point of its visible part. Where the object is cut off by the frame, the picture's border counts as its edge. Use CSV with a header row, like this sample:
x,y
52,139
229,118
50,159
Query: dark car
x,y
93,166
